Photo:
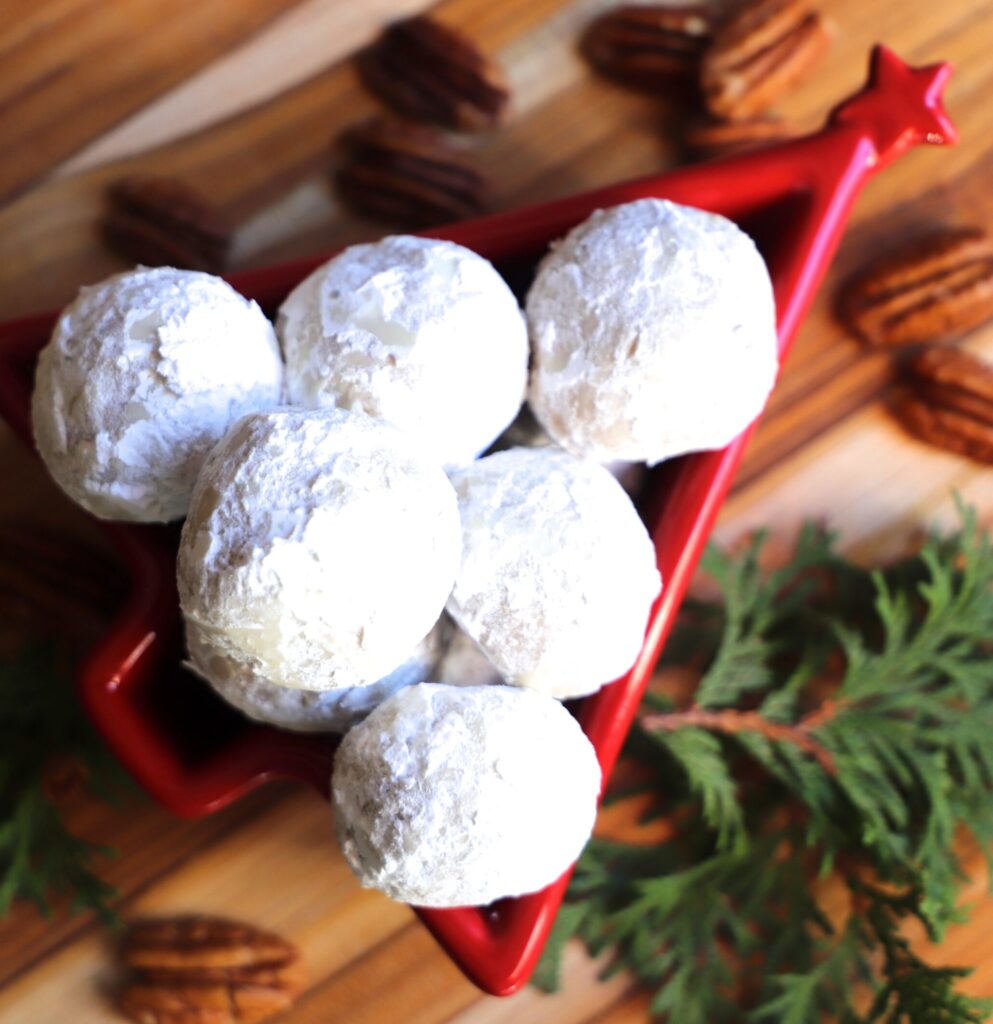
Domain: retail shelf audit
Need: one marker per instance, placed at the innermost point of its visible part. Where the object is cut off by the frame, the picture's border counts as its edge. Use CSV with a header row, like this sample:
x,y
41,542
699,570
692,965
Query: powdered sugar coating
x,y
144,373
459,796
303,710
558,572
319,548
420,332
654,333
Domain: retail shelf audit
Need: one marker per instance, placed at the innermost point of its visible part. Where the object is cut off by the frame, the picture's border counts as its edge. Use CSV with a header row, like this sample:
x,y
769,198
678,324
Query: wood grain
x,y
70,69
298,45
826,448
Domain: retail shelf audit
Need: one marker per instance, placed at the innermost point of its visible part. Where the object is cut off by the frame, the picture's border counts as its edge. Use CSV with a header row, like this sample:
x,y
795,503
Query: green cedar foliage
x,y
842,723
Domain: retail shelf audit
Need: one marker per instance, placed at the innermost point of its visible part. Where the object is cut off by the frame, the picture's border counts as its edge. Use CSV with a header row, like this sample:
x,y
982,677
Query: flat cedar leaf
x,y
797,1002
683,998
885,676
780,703
739,663
699,755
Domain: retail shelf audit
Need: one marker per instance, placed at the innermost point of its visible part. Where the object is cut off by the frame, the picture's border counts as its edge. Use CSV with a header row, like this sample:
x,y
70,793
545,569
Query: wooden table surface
x,y
243,98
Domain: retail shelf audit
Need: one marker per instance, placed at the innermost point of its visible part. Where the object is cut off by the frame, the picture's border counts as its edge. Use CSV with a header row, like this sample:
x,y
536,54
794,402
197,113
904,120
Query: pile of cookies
x,y
352,560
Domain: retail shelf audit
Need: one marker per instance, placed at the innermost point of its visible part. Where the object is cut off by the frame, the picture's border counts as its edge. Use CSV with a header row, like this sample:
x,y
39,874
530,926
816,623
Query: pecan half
x,y
937,288
723,138
648,46
762,50
408,174
426,70
164,222
206,970
951,402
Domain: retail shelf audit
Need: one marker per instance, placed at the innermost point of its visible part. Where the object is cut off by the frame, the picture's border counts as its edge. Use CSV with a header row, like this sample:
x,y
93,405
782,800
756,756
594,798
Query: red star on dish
x,y
901,106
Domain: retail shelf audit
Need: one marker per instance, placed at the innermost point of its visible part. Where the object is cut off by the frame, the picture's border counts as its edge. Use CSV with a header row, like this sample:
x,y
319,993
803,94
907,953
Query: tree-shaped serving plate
x,y
195,755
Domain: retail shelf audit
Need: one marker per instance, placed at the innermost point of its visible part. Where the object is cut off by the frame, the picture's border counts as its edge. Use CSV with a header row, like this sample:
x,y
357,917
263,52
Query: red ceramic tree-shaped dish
x,y
195,755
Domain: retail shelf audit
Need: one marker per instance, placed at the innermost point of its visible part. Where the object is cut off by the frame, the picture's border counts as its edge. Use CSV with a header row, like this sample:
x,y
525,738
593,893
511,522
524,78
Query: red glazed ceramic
x,y
195,755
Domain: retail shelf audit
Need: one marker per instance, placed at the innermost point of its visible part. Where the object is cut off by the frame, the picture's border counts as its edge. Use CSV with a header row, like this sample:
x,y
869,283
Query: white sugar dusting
x,y
319,549
457,796
144,373
654,333
304,710
422,333
558,572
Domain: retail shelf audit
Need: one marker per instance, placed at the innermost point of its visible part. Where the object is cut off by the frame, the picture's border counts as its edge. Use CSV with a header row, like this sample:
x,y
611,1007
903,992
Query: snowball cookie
x,y
654,333
423,333
449,796
303,710
319,548
558,572
144,373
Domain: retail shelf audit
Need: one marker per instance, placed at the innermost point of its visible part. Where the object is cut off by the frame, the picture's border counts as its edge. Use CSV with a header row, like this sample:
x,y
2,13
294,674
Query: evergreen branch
x,y
841,723
731,721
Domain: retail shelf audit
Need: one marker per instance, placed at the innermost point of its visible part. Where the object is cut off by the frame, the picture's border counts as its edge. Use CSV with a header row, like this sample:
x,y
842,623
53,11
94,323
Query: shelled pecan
x,y
206,970
648,46
723,138
408,174
950,404
163,222
758,53
938,288
431,72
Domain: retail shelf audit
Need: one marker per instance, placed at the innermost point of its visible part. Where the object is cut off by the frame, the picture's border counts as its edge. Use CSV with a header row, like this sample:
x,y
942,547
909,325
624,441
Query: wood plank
x,y
71,69
150,844
296,46
583,996
252,161
242,165
281,868
403,978
633,1009
874,484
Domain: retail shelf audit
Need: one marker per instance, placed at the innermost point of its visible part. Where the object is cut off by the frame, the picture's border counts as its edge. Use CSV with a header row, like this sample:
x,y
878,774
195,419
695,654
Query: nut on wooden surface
x,y
408,174
162,221
935,289
207,970
428,71
950,404
648,46
763,49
